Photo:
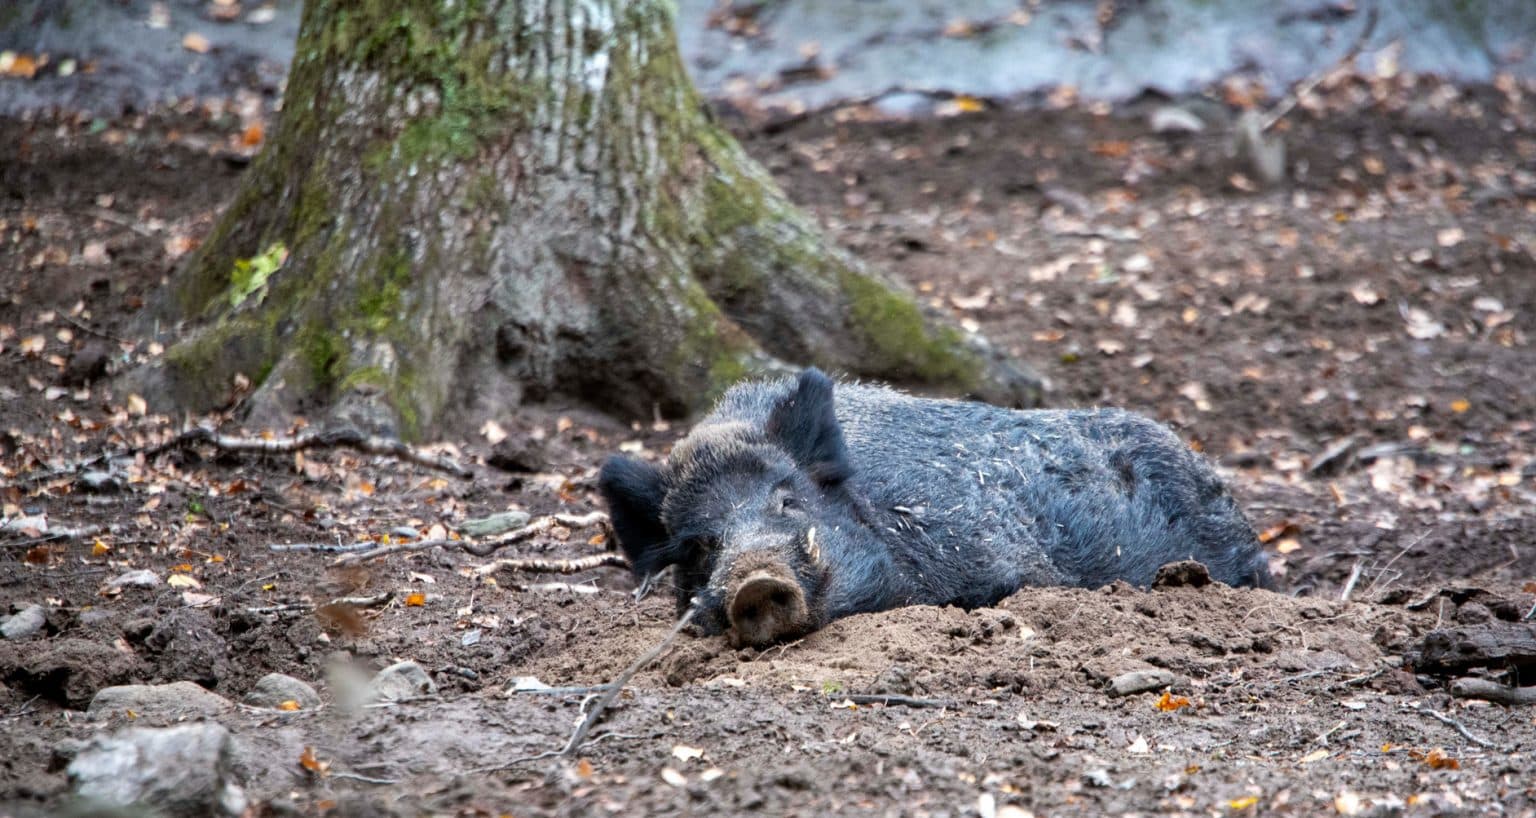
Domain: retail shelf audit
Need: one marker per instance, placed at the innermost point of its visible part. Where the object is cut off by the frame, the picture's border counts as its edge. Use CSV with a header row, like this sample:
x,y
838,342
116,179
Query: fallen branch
x,y
53,535
479,549
618,683
306,605
329,438
341,548
549,566
1460,728
1492,692
891,699
332,438
1292,99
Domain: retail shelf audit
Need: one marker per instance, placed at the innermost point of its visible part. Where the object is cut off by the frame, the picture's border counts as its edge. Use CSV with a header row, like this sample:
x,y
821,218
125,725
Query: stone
x,y
27,623
402,680
142,578
273,689
179,772
1141,681
176,700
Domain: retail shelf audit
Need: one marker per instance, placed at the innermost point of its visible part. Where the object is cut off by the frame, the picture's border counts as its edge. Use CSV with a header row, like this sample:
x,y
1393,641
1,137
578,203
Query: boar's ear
x,y
633,490
805,426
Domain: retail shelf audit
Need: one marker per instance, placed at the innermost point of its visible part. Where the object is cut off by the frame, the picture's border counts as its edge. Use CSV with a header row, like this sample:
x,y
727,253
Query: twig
x,y
342,548
1395,557
25,708
350,601
1354,577
479,549
1354,681
1322,738
618,683
890,699
1291,99
121,221
548,566
363,778
345,437
560,691
1460,728
1492,692
77,533
87,328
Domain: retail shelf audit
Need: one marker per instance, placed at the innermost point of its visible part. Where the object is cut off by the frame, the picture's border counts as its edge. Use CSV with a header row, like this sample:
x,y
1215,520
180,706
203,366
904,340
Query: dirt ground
x,y
1354,348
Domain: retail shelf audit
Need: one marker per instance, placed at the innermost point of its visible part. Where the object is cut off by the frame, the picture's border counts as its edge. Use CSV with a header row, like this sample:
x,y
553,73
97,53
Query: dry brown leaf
x,y
196,43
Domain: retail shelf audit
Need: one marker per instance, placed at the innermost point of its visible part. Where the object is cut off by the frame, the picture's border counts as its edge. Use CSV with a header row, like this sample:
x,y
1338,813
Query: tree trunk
x,y
478,203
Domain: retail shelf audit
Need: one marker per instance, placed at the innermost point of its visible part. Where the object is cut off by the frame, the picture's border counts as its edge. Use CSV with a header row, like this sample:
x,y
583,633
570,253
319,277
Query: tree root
x,y
1492,692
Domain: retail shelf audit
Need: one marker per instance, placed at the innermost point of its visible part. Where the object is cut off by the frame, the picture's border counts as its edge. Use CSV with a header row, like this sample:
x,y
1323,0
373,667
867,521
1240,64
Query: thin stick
x,y
890,699
363,778
1462,729
344,437
548,566
483,548
1290,100
84,327
341,548
618,684
1354,577
1492,692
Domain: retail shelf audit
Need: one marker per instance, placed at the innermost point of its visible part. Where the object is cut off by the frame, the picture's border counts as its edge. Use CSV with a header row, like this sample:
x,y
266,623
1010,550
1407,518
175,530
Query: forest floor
x,y
1353,348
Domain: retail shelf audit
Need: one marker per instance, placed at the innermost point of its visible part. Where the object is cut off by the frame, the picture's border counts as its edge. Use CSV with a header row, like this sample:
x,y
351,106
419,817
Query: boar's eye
x,y
790,504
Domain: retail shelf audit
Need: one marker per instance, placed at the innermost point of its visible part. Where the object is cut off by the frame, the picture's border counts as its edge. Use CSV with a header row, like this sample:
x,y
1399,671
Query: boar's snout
x,y
767,606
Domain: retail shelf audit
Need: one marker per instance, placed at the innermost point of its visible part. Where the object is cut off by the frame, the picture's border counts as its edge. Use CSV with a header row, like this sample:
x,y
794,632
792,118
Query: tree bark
x,y
478,203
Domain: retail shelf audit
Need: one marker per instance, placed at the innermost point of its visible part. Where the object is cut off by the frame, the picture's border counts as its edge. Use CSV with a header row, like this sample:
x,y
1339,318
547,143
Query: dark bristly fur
x,y
872,499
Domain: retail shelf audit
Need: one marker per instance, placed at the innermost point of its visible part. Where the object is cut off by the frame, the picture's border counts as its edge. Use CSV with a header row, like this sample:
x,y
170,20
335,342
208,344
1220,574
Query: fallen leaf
x,y
196,43
1242,803
1460,405
493,432
182,581
289,705
684,753
1169,702
308,761
1315,755
1139,746
252,135
584,769
136,405
415,600
673,777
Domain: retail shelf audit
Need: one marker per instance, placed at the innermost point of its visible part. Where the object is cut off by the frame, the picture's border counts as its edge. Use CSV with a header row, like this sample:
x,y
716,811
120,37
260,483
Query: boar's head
x,y
750,509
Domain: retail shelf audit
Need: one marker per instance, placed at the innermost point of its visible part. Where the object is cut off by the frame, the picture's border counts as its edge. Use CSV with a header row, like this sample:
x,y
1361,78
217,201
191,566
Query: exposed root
x,y
1492,692
330,438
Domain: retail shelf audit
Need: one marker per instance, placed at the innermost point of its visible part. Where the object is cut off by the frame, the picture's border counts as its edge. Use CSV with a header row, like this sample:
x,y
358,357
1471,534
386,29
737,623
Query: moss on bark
x,y
487,201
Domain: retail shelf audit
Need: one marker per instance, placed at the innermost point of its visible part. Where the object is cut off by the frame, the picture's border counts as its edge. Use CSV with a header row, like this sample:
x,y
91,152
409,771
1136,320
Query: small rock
x,y
494,524
1182,574
142,578
1470,613
100,482
1140,681
402,680
27,623
176,771
273,689
178,699
895,679
519,452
